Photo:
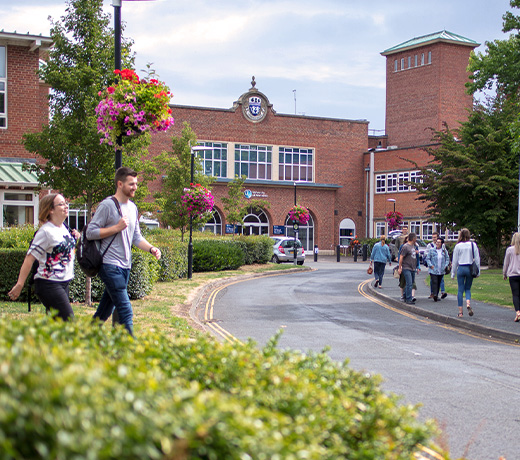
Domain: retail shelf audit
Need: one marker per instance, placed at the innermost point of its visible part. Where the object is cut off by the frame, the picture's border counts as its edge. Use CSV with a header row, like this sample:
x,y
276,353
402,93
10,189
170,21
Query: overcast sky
x,y
326,50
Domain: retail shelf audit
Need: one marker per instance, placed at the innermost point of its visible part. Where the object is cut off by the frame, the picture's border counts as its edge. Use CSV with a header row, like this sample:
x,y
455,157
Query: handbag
x,y
447,270
474,270
370,270
396,272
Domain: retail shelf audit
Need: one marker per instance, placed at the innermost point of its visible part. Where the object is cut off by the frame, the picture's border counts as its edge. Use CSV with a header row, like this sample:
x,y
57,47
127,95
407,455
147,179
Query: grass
x,y
165,309
489,287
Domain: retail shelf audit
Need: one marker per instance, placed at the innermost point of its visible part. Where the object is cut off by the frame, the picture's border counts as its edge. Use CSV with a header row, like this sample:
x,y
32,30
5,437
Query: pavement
x,y
493,321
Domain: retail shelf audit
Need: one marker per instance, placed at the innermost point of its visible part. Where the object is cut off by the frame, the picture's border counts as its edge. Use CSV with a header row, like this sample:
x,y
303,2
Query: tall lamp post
x,y
392,200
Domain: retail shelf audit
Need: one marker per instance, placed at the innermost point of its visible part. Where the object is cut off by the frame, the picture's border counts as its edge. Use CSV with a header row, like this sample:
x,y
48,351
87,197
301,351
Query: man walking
x,y
408,266
116,224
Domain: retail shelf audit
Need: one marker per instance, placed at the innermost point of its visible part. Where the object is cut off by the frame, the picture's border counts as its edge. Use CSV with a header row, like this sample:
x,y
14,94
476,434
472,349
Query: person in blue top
x,y
379,256
437,259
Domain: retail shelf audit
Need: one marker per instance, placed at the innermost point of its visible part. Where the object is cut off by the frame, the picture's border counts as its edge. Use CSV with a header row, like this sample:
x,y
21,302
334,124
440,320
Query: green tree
x,y
175,166
471,178
235,204
80,64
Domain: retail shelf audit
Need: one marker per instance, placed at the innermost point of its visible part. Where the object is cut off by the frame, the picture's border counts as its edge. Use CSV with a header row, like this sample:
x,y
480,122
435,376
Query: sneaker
x,y
444,295
376,283
414,299
403,299
435,298
410,303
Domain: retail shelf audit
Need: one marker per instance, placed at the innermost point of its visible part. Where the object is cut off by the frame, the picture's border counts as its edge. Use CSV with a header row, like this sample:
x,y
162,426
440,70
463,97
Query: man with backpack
x,y
116,224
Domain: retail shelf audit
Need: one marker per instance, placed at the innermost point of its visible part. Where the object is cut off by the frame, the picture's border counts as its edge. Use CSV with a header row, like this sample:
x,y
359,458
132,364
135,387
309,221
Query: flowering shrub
x,y
394,220
354,242
198,200
132,107
299,214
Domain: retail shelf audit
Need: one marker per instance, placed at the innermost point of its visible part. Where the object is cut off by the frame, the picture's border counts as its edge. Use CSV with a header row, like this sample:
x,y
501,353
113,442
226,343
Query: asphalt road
x,y
469,384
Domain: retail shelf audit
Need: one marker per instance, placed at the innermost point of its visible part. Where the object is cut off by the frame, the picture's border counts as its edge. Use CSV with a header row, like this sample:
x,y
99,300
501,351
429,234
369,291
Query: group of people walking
x,y
115,224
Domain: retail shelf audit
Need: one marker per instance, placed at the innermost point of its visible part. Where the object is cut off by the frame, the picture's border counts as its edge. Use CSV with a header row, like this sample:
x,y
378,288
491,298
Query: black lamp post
x,y
295,228
117,66
392,200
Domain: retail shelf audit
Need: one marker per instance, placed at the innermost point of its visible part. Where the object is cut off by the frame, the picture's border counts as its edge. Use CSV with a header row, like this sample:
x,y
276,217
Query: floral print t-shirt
x,y
54,248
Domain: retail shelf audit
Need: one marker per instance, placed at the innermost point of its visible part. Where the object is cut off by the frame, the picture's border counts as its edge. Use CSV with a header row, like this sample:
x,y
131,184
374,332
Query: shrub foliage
x,y
74,390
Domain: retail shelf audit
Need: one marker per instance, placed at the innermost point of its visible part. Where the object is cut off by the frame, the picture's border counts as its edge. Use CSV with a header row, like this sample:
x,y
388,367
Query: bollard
x,y
315,253
355,252
338,253
365,252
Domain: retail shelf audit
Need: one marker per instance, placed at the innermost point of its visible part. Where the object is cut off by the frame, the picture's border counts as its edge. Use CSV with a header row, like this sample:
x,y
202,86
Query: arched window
x,y
255,223
214,225
347,231
305,232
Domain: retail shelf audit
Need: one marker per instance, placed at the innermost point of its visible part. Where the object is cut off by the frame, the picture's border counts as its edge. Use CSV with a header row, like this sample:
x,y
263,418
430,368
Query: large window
x,y
3,87
295,164
381,183
18,208
398,182
214,161
404,177
214,225
253,161
391,182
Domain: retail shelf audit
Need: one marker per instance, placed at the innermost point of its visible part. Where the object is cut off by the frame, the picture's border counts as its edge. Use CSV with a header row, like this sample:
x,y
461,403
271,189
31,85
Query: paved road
x,y
469,384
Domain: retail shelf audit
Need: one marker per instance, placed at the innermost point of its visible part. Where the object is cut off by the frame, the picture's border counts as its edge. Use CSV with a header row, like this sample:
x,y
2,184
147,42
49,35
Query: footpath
x,y
489,320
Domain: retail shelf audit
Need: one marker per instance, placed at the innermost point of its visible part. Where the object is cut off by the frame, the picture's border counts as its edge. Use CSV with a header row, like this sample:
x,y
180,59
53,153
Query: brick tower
x,y
425,79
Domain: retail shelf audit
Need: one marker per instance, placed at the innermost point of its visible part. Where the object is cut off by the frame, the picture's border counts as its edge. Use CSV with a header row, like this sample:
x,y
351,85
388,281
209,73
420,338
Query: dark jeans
x,y
442,288
54,294
436,282
115,296
379,271
514,282
409,276
464,280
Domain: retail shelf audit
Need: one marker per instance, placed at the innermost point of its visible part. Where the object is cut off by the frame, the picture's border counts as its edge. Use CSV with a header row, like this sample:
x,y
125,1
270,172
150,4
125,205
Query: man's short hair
x,y
122,173
435,233
412,236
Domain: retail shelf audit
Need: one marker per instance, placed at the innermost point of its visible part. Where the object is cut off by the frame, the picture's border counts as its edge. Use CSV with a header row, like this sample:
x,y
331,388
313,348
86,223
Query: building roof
x,y
32,41
12,174
442,36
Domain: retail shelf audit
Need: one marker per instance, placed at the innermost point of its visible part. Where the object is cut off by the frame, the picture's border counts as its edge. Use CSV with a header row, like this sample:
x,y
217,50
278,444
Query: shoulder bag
x,y
475,270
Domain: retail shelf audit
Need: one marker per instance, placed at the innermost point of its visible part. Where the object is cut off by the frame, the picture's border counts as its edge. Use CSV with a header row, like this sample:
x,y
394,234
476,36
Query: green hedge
x,y
216,255
77,391
257,249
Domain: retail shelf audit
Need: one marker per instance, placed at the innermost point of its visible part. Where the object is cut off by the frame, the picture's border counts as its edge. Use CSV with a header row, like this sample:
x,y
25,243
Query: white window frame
x,y
429,57
305,169
422,58
403,177
391,182
416,60
416,177
26,203
380,229
209,161
380,183
427,230
402,63
414,226
247,149
395,65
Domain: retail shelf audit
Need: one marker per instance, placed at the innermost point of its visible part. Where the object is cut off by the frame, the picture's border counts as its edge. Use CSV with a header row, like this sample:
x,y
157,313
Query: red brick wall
x,y
421,98
338,146
27,107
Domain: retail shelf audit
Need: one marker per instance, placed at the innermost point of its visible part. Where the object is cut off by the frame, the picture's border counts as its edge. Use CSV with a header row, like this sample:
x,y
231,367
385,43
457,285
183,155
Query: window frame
x,y
286,170
207,157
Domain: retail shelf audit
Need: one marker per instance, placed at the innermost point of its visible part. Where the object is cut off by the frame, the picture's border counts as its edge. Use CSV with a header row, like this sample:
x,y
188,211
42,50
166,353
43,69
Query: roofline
x,y
435,39
32,41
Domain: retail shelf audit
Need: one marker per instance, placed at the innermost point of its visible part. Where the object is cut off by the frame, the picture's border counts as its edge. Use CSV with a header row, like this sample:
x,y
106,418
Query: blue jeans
x,y
464,280
379,271
409,276
115,295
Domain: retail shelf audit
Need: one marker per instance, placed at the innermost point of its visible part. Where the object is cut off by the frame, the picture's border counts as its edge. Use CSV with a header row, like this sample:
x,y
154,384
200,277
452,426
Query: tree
x,y
80,64
471,178
176,168
236,206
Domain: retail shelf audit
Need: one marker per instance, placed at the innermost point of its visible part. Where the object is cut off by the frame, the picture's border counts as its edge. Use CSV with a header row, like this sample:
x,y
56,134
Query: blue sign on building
x,y
278,229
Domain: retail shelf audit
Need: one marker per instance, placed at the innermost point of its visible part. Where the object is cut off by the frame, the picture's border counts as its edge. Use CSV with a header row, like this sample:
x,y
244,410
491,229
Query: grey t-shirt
x,y
120,251
409,257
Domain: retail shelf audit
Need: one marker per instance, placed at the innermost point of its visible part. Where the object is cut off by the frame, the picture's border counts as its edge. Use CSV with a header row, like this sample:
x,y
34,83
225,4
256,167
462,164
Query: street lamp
x,y
391,200
194,149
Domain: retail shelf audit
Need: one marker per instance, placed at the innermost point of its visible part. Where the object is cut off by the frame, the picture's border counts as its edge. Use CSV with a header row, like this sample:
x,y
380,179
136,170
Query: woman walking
x,y
380,255
512,271
437,259
53,248
465,253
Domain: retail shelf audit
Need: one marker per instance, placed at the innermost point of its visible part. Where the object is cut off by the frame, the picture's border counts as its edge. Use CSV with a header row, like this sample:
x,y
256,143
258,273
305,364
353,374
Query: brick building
x,y
23,108
425,80
333,166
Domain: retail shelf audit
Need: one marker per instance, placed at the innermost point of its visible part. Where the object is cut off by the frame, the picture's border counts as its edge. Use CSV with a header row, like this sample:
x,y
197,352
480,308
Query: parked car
x,y
394,250
283,250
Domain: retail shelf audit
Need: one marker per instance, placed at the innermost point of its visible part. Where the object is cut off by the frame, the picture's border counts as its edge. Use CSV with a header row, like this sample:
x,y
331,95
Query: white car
x,y
283,250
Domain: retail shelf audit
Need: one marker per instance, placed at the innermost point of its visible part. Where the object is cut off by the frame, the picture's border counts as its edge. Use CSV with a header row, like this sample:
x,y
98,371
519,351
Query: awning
x,y
12,175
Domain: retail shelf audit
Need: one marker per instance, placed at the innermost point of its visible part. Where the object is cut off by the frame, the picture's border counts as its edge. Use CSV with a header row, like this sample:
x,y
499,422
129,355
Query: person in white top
x,y
53,247
511,270
464,254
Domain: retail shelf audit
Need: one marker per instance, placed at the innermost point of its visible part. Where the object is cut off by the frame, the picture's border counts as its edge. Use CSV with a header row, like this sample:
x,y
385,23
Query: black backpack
x,y
88,255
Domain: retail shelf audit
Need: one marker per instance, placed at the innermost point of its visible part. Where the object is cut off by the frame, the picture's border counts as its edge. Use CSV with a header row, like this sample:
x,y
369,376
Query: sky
x,y
311,58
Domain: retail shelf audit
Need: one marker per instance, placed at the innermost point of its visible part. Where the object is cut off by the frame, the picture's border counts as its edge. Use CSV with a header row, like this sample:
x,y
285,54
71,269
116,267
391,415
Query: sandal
x,y
460,315
470,311
517,317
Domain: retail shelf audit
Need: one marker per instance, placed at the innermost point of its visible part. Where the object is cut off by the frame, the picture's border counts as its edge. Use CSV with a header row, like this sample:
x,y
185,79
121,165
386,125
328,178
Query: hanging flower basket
x,y
394,220
198,200
299,214
132,107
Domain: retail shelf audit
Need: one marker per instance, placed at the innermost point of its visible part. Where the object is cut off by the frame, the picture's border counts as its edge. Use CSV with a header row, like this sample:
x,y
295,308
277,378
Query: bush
x,y
16,237
216,255
74,390
257,249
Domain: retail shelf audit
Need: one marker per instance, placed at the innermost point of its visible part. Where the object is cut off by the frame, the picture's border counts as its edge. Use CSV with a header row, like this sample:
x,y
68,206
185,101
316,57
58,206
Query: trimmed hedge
x,y
74,390
216,255
257,249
